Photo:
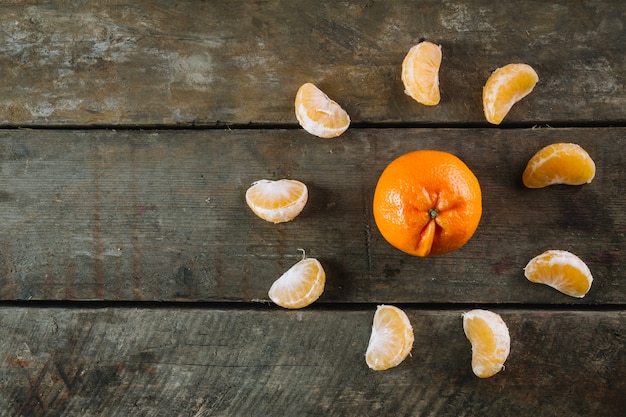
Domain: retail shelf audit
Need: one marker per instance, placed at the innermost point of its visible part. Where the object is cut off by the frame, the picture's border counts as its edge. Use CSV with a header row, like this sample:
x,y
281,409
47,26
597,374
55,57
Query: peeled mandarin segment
x,y
391,339
559,163
561,270
318,114
420,73
505,87
490,340
425,244
277,201
300,286
427,203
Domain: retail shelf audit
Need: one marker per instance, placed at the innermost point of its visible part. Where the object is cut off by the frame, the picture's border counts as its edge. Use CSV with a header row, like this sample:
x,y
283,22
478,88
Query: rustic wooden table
x,y
134,279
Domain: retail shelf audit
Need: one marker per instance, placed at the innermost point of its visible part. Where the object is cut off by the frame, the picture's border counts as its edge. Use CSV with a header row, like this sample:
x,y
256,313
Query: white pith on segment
x,y
274,192
290,283
561,259
319,103
415,69
501,341
396,346
499,79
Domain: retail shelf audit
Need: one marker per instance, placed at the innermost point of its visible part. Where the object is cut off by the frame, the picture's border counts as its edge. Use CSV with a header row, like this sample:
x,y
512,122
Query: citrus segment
x,y
300,286
505,87
559,163
490,340
420,73
277,201
391,339
318,114
427,203
561,270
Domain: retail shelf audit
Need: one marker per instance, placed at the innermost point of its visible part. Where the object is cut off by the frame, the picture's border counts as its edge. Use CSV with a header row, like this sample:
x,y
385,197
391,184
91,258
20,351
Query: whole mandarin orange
x,y
427,202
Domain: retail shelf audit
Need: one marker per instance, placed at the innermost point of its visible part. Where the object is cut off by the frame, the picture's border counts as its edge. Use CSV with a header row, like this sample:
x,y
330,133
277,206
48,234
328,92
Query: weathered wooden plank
x,y
195,362
162,216
222,62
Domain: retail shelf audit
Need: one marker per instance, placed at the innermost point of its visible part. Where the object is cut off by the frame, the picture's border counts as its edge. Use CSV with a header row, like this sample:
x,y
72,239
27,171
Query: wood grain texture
x,y
220,362
161,215
147,63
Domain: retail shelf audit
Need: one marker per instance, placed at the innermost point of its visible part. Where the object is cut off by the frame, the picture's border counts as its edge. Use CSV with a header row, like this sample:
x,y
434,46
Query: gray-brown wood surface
x,y
222,62
161,215
251,362
133,277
